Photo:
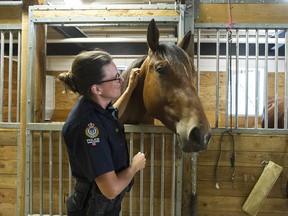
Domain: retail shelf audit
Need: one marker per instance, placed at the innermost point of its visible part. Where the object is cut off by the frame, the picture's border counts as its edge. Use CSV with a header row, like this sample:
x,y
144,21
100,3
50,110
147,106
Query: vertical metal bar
x,y
179,183
131,145
152,151
1,74
141,178
198,57
256,79
266,80
41,171
237,79
10,76
217,78
50,172
60,174
227,80
28,174
276,82
286,81
31,172
246,77
162,175
173,176
30,108
18,76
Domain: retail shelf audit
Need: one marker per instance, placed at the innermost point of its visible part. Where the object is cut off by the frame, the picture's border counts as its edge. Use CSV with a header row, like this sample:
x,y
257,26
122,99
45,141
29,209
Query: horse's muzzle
x,y
198,140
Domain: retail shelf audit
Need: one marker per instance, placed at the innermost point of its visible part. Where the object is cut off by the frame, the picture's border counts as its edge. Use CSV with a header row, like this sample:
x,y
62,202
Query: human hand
x,y
133,78
139,161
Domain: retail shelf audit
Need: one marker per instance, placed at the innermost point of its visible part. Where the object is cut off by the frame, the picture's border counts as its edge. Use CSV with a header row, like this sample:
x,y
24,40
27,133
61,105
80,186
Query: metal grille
x,y
251,67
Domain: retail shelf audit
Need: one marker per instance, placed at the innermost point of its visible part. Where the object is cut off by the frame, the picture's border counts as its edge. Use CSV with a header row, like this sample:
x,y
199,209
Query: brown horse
x,y
166,91
271,110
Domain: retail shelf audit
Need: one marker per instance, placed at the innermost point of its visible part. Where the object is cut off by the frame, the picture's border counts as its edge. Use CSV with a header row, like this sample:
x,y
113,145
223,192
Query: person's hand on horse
x,y
133,78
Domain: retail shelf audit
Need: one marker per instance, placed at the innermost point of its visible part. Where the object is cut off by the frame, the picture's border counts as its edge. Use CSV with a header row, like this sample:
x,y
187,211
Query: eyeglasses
x,y
117,77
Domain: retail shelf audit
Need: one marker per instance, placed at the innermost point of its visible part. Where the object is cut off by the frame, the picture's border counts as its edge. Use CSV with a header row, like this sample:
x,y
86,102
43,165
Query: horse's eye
x,y
160,69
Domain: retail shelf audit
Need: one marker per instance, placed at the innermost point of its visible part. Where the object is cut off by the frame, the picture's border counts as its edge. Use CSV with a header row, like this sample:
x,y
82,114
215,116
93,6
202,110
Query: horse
x,y
166,91
270,110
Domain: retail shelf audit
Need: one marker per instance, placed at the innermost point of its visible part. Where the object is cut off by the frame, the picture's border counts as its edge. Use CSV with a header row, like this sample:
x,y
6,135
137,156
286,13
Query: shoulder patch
x,y
92,133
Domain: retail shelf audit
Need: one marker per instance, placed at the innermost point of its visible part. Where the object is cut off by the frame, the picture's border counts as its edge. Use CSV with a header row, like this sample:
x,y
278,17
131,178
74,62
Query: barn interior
x,y
237,75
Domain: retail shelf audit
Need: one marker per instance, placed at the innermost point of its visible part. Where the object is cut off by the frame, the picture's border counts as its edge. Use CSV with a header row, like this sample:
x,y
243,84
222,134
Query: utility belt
x,y
87,199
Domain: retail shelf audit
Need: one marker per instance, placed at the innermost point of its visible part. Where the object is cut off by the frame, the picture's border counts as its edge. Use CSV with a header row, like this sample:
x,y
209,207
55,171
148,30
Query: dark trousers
x,y
87,200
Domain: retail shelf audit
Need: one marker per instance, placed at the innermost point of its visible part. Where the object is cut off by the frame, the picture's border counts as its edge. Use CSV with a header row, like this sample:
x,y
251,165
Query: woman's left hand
x,y
133,78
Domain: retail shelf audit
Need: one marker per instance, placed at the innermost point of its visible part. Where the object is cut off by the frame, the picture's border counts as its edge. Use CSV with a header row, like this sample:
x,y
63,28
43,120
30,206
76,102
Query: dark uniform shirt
x,y
95,140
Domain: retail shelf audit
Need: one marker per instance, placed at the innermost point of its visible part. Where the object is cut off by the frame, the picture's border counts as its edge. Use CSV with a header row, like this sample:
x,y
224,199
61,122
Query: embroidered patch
x,y
92,132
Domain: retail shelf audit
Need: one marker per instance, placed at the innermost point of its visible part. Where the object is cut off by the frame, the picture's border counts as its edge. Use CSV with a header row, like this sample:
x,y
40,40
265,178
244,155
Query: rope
x,y
230,23
229,131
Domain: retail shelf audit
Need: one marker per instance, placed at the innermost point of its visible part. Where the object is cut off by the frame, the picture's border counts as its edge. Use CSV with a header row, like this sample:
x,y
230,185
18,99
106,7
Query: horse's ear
x,y
153,36
186,44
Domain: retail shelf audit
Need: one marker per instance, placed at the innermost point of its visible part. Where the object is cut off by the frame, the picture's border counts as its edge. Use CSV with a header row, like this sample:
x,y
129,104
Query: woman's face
x,y
111,82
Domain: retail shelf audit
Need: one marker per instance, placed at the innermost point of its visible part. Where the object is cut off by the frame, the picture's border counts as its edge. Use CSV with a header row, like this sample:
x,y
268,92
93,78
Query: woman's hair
x,y
86,70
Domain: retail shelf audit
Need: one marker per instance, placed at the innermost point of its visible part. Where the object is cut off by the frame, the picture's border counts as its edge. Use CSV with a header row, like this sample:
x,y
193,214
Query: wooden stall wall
x,y
8,147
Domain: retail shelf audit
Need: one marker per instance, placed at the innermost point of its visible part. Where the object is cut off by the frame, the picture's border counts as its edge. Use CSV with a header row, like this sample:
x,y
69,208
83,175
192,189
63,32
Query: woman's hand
x,y
133,78
138,161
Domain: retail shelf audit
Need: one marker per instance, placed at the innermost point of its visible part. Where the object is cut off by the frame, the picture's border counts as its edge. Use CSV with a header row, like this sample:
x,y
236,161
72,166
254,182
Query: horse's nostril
x,y
195,135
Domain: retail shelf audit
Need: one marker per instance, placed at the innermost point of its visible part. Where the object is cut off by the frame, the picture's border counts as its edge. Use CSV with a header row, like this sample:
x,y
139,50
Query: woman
x,y
94,137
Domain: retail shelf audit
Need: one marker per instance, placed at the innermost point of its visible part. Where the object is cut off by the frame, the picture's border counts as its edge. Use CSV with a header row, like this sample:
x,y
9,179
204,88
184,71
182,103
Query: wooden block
x,y
262,188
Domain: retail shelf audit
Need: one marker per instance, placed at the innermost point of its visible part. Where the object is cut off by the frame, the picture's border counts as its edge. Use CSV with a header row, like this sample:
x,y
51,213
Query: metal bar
x,y
60,175
198,52
276,82
141,178
217,78
266,81
256,80
227,81
162,207
152,155
41,172
111,19
18,76
104,7
2,36
241,25
246,77
10,3
9,125
237,79
173,173
179,184
194,183
131,145
10,76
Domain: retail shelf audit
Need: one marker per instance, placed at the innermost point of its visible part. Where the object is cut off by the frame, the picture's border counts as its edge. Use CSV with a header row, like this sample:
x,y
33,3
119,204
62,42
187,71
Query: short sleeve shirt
x,y
95,140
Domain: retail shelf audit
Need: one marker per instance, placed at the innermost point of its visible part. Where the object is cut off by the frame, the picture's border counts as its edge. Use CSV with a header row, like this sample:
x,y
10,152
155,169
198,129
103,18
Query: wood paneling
x,y
243,13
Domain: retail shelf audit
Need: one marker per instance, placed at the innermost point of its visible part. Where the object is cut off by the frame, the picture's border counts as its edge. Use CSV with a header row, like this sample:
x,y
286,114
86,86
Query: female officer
x,y
94,137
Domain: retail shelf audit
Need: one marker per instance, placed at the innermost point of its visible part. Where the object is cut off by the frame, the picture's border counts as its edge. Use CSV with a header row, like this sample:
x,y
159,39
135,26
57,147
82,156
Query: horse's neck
x,y
135,112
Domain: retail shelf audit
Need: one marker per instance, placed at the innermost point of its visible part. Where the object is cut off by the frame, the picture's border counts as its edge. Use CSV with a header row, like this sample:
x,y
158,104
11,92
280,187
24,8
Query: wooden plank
x,y
10,15
8,137
262,188
62,14
243,13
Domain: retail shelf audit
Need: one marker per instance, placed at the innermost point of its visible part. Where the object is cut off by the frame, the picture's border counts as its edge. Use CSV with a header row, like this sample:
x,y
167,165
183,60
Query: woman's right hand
x,y
139,161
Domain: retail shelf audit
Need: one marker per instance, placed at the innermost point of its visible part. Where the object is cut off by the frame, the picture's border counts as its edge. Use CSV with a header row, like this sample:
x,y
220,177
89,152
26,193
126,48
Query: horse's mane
x,y
135,64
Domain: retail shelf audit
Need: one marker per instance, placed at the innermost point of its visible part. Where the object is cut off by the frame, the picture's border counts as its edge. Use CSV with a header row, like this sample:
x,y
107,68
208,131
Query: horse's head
x,y
169,91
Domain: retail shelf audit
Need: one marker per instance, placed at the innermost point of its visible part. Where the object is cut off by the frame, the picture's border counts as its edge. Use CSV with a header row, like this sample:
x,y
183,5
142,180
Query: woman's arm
x,y
112,184
123,100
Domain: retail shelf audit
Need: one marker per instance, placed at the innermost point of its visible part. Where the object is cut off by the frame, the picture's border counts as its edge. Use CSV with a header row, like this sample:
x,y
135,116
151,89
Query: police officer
x,y
94,137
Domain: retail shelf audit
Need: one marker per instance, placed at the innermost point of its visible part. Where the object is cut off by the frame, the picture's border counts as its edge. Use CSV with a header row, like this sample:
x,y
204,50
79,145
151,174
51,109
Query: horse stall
x,y
241,62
